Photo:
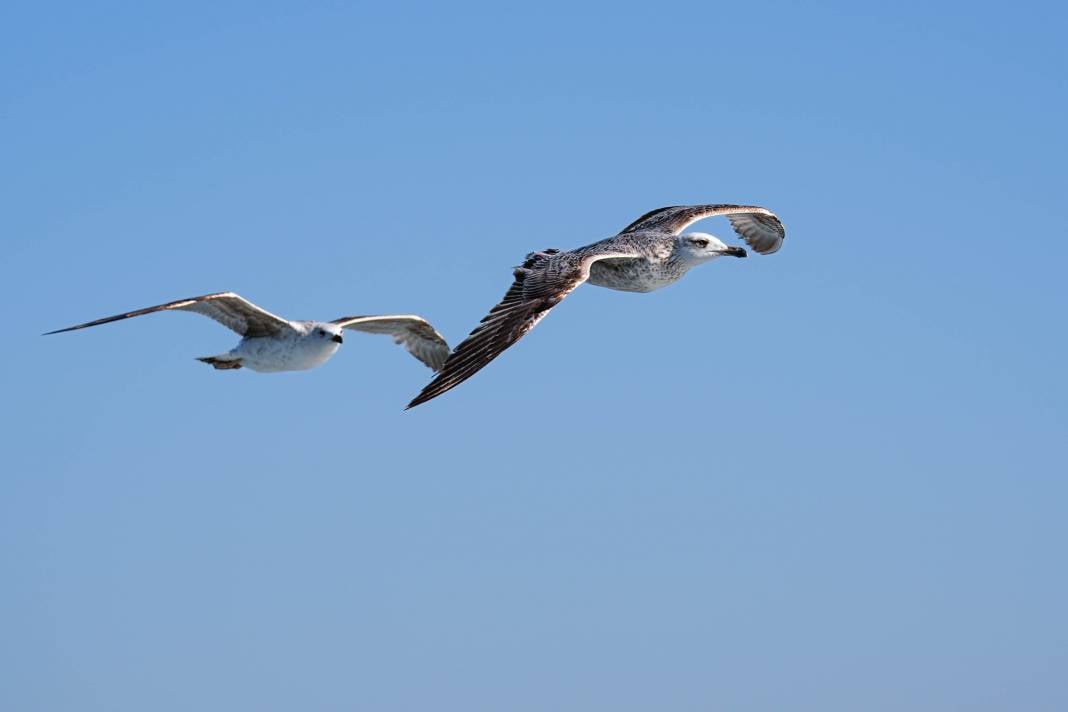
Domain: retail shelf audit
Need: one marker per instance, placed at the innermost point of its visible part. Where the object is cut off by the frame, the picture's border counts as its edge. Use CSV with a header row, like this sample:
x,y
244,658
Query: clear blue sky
x,y
829,479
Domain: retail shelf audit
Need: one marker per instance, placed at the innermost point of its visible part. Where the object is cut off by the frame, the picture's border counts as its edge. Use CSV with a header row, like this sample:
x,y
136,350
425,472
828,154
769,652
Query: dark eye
x,y
700,242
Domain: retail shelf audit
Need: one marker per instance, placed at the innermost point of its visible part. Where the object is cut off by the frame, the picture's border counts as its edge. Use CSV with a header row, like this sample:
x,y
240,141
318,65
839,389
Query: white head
x,y
697,247
325,331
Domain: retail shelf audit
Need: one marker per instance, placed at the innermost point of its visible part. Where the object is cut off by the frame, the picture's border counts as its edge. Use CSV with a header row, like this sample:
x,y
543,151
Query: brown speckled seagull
x,y
650,253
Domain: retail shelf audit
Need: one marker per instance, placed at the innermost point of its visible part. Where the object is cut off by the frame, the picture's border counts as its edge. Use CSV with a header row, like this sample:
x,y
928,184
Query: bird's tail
x,y
222,362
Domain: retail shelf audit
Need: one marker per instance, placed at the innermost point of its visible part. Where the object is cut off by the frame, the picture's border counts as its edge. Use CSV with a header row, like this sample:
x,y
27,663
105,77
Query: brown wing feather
x,y
758,226
542,281
227,308
413,332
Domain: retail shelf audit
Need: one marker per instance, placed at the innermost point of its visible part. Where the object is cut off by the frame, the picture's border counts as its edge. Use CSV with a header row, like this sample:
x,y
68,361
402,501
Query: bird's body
x,y
658,265
270,344
297,350
650,253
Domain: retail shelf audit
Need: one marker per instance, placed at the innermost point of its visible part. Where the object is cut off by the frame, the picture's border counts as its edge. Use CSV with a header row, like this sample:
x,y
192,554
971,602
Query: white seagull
x,y
650,253
270,343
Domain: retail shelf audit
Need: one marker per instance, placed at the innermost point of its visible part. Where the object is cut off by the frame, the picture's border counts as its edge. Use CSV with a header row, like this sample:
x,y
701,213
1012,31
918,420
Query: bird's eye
x,y
700,242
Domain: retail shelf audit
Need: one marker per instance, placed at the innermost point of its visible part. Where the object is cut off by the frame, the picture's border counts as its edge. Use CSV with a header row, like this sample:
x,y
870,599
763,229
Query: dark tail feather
x,y
221,364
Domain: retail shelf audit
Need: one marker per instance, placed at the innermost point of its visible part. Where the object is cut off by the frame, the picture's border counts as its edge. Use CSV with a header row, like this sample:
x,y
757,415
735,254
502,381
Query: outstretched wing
x,y
540,283
414,332
757,226
227,308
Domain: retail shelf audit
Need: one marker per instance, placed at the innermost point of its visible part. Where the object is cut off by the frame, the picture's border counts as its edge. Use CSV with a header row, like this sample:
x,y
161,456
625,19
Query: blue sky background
x,y
828,479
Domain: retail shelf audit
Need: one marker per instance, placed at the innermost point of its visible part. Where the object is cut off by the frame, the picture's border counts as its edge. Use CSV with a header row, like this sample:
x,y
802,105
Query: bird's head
x,y
327,332
702,247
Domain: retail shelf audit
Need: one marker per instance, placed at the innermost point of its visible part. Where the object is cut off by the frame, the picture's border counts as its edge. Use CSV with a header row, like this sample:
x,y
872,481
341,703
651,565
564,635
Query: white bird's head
x,y
701,247
326,332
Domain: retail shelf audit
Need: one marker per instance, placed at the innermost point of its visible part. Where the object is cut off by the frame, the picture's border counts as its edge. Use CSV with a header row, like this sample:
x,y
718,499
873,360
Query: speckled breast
x,y
638,275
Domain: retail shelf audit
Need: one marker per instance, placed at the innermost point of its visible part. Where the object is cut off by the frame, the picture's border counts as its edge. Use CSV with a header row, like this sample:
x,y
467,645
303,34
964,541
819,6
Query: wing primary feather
x,y
413,332
758,226
543,280
229,309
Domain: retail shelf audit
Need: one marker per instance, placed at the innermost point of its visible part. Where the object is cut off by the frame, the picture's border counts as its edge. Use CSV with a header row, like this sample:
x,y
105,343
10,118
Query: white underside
x,y
294,353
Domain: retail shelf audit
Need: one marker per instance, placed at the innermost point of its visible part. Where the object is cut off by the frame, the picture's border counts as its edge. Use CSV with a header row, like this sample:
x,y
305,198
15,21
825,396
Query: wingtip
x,y
423,397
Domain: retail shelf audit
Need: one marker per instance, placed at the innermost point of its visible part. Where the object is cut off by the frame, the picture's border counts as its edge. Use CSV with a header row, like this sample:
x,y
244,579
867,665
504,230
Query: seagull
x,y
270,343
651,252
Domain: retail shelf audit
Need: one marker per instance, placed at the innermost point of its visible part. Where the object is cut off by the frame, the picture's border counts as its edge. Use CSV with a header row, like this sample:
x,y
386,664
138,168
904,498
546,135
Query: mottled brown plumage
x,y
647,254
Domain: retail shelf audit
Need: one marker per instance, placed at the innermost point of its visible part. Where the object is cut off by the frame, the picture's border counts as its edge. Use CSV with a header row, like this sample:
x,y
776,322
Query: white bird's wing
x,y
227,308
759,227
413,332
540,283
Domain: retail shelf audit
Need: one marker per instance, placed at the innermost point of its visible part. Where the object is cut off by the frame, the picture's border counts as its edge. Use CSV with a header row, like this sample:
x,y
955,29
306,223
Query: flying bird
x,y
651,252
270,343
